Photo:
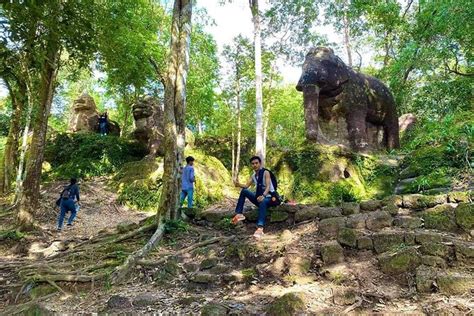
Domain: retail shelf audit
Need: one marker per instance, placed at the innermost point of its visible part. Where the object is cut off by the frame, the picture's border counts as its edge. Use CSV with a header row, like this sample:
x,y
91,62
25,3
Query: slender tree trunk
x,y
259,137
10,157
31,186
174,131
233,155
347,41
239,131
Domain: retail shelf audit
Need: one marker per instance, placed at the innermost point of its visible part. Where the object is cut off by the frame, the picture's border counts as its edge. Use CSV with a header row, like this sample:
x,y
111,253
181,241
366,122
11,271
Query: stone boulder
x,y
85,117
288,304
148,116
406,122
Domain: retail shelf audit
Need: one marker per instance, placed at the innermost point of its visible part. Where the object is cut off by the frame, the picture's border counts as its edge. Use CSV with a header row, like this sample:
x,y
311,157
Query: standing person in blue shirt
x,y
187,183
103,124
67,203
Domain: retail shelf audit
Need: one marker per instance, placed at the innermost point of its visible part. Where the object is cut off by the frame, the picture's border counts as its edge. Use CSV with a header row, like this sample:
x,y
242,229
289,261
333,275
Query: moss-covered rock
x,y
356,221
460,196
385,241
331,226
347,237
208,263
216,215
453,283
329,212
464,252
407,222
332,252
307,213
436,249
433,261
349,208
278,216
204,278
409,238
191,212
423,237
425,279
465,216
213,309
365,243
138,182
370,205
378,220
420,201
393,200
400,261
440,217
289,304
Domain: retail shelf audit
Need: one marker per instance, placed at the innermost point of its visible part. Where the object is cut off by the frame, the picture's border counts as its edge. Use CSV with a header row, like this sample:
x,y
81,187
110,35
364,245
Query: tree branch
x,y
155,66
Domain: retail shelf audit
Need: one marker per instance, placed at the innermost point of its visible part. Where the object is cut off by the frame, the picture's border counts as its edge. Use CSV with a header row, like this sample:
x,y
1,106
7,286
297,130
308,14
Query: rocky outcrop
x,y
148,116
85,117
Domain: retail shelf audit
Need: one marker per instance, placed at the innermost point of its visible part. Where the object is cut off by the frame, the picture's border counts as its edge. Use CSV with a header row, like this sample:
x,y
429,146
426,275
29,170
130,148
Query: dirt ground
x,y
239,274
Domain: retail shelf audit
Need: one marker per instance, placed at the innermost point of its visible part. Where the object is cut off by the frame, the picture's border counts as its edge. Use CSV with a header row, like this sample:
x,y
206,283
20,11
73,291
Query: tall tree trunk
x,y
174,131
347,41
233,155
259,137
10,157
239,131
31,186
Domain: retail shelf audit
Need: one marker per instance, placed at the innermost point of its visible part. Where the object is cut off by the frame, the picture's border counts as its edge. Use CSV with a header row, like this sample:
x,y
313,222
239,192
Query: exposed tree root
x,y
21,308
122,271
185,250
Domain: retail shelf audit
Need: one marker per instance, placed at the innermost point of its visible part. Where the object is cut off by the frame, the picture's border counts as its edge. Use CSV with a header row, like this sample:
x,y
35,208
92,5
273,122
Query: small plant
x,y
175,226
12,235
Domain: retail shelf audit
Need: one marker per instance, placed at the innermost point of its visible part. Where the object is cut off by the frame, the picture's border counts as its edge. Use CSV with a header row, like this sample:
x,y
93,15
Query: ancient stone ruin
x,y
148,116
85,117
345,107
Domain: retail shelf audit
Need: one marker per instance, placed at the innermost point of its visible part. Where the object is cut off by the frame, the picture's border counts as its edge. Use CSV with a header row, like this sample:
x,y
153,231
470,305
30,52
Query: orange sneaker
x,y
237,218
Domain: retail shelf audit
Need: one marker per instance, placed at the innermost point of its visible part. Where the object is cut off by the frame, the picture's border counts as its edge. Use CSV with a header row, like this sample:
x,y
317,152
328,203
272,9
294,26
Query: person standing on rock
x,y
264,196
103,124
69,202
187,182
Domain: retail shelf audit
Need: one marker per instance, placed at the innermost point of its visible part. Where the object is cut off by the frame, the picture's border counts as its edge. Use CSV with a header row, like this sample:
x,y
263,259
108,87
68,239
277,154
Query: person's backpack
x,y
276,200
65,193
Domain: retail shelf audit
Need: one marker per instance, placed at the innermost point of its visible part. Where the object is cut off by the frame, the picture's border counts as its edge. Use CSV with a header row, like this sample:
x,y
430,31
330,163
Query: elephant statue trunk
x,y
310,101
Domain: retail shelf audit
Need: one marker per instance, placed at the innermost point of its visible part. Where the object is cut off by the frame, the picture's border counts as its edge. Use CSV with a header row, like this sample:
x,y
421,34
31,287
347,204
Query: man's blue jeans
x,y
103,128
262,206
67,206
189,193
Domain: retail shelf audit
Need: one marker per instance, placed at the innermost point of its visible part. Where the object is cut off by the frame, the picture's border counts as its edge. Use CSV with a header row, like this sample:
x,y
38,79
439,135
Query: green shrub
x,y
175,226
440,152
88,155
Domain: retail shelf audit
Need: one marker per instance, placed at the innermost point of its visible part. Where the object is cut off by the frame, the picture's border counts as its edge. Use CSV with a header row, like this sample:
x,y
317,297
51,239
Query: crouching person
x,y
264,196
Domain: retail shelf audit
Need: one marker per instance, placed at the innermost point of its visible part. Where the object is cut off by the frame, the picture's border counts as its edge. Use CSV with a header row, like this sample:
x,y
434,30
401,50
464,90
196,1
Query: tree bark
x,y
174,130
239,131
31,186
10,157
259,137
347,41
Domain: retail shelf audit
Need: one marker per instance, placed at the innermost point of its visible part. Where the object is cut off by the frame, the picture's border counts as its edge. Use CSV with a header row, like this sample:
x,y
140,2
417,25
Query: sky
x,y
235,18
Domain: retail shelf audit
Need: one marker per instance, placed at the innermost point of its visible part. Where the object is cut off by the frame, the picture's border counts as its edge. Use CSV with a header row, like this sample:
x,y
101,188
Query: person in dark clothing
x,y
69,203
261,199
187,183
103,124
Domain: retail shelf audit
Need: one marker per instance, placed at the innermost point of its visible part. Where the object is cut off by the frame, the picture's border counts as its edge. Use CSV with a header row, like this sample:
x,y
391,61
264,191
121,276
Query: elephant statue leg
x,y
391,132
311,104
356,129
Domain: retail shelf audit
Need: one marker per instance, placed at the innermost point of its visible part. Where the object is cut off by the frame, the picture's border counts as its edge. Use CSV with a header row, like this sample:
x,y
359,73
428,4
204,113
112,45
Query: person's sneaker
x,y
258,233
69,225
237,218
58,230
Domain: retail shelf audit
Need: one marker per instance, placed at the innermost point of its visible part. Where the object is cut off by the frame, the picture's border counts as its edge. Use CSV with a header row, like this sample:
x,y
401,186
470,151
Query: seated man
x,y
261,198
